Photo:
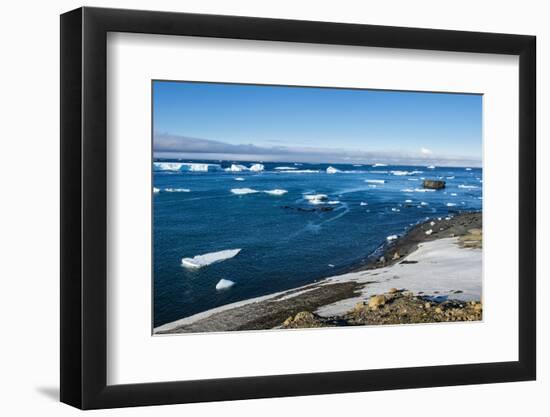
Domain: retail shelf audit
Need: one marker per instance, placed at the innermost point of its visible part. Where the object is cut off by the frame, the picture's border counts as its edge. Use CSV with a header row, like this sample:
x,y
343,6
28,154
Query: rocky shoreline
x,y
326,303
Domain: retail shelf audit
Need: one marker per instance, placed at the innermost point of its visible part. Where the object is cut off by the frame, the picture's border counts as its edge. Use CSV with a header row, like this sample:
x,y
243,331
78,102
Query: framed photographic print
x,y
257,208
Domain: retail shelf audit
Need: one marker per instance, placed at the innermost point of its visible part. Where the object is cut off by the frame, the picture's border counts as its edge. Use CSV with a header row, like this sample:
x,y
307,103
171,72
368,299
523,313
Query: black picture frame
x,y
84,207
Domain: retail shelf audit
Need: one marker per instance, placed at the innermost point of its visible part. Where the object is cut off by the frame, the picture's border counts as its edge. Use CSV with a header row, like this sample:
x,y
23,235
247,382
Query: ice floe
x,y
375,181
236,168
285,168
332,170
184,166
468,186
276,191
224,284
206,259
177,190
156,190
243,191
451,204
379,165
239,179
316,198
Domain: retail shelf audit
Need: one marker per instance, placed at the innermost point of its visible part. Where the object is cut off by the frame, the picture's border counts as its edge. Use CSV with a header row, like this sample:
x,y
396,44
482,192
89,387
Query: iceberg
x,y
423,203
224,284
239,179
316,198
284,168
408,201
276,192
177,190
156,190
209,258
332,202
332,170
451,204
363,203
391,237
243,191
183,166
430,167
257,168
468,186
468,169
376,181
236,168
379,165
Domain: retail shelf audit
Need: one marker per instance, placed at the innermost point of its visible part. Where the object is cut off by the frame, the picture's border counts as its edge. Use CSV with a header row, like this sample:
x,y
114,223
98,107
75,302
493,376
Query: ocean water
x,y
283,244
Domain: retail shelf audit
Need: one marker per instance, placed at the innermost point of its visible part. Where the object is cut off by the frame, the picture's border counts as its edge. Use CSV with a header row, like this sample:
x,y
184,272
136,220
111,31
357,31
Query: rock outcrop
x,y
433,184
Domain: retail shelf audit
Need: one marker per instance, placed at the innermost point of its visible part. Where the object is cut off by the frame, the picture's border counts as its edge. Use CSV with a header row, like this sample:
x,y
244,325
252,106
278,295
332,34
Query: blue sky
x,y
252,122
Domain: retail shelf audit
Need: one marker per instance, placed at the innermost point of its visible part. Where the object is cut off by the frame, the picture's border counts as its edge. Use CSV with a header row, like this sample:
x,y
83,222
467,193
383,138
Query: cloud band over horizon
x,y
176,146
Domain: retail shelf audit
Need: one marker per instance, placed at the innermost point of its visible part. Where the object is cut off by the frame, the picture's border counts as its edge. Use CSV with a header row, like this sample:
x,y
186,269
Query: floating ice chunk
x,y
257,168
243,191
468,186
391,237
450,178
395,209
285,168
331,265
453,194
429,232
379,165
408,201
236,168
451,204
375,181
363,203
332,170
300,171
156,190
423,203
177,190
183,166
209,258
224,284
239,179
276,192
430,167
333,202
468,169
316,198
412,179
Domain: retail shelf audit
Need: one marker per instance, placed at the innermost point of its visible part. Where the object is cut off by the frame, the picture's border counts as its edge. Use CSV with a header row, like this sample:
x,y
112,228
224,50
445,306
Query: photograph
x,y
293,207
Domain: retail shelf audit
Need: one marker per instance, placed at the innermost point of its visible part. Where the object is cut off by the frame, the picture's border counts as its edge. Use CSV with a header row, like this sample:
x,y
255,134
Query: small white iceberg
x,y
451,204
239,179
363,203
224,284
430,167
236,168
243,191
257,168
468,169
332,170
316,198
156,190
276,191
333,202
423,203
391,237
408,201
429,232
177,190
379,165
209,258
375,181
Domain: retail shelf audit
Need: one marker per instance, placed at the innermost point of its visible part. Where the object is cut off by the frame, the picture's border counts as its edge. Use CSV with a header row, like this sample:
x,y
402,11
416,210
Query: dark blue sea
x,y
287,239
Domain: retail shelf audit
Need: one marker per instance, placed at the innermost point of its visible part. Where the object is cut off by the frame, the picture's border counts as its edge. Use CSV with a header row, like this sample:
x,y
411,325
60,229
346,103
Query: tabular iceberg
x,y
209,258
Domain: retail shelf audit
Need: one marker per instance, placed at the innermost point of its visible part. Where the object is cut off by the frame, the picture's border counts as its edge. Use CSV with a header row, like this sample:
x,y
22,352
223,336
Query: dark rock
x,y
433,184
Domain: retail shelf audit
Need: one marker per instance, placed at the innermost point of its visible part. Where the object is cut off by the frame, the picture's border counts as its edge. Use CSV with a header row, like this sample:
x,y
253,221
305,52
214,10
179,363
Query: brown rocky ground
x,y
394,307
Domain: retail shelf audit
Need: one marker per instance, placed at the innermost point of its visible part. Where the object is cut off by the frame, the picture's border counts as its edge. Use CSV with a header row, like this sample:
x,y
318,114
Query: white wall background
x,y
29,211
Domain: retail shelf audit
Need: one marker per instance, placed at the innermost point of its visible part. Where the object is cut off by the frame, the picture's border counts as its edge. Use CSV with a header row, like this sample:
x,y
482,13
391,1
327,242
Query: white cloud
x,y
426,151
